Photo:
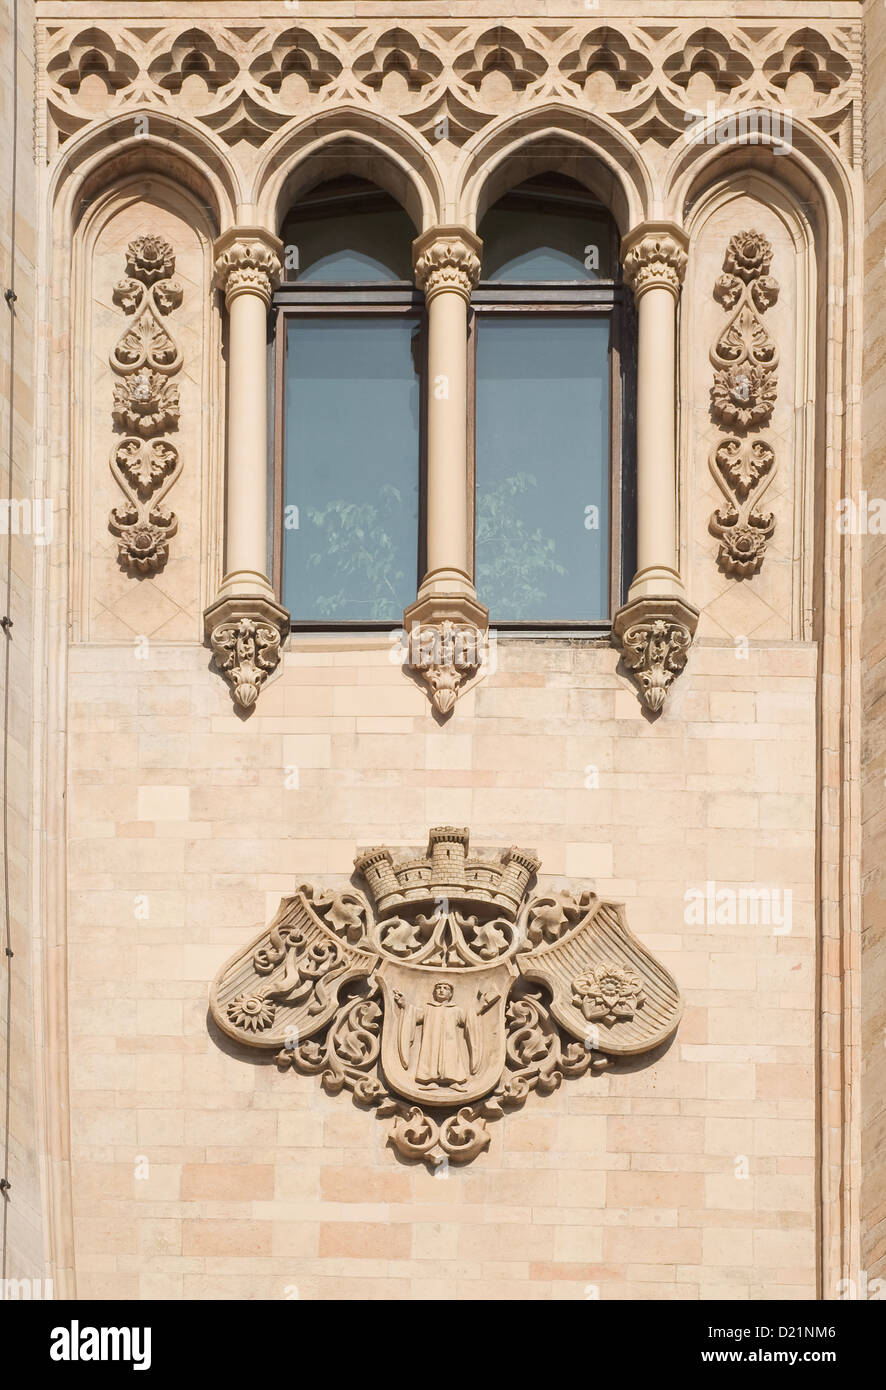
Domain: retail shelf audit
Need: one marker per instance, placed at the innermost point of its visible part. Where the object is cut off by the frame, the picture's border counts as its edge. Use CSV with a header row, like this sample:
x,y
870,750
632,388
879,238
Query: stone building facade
x,y
183,753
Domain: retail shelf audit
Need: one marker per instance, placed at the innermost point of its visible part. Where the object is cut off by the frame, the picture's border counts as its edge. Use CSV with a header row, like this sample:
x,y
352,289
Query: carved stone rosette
x,y
742,400
446,996
146,405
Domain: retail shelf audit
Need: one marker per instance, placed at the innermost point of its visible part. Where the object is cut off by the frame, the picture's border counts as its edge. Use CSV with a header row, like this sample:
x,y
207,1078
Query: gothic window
x,y
349,349
548,338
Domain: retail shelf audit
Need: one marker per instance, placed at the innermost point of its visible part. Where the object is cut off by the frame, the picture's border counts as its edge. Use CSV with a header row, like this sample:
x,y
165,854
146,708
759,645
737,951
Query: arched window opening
x,y
349,349
550,339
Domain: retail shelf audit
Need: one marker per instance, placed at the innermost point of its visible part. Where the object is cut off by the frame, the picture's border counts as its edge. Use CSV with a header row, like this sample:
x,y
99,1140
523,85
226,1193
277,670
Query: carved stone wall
x,y
185,826
873,671
30,533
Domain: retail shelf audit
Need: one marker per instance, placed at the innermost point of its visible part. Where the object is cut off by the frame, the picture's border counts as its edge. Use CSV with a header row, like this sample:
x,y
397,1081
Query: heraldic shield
x,y
451,997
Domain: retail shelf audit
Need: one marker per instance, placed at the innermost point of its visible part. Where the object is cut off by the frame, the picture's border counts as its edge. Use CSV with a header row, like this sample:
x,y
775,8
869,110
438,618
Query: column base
x,y
656,581
447,633
245,631
655,634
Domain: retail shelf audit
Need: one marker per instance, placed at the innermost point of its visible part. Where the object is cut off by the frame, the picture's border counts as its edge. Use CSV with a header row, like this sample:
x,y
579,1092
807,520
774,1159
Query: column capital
x,y
654,256
247,261
447,258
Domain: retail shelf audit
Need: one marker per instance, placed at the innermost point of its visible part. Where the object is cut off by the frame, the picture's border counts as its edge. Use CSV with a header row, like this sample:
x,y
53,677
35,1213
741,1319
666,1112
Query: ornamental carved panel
x,y
745,359
144,463
445,994
449,79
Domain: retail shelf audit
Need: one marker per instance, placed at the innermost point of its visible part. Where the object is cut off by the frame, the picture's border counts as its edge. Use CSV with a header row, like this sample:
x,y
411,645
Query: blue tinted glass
x,y
351,468
357,246
541,244
542,452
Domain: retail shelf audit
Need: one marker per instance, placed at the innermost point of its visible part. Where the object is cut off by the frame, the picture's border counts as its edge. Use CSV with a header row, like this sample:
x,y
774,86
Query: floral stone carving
x,y
146,404
247,650
742,399
445,996
655,642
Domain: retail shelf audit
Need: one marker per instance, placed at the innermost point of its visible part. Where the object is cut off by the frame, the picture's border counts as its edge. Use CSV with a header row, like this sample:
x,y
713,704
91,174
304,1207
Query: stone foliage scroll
x,y
144,463
745,358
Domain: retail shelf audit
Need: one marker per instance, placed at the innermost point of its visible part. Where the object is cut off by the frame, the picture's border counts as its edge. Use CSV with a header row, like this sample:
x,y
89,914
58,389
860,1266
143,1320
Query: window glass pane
x,y
542,461
370,247
351,467
347,230
548,228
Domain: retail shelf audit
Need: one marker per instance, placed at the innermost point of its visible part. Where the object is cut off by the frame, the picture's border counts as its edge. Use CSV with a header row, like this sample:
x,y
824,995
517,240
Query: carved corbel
x,y
655,635
246,635
446,655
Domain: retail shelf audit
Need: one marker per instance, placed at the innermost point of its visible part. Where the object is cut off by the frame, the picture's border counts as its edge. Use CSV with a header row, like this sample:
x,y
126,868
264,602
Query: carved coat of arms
x,y
451,997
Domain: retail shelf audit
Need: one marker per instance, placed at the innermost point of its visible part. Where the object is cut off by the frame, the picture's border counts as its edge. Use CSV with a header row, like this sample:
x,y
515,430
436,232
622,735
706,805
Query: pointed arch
x,y
180,151
585,145
383,150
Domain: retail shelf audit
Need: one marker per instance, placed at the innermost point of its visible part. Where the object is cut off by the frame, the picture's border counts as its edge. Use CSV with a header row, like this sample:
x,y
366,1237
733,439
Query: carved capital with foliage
x,y
247,262
447,258
654,257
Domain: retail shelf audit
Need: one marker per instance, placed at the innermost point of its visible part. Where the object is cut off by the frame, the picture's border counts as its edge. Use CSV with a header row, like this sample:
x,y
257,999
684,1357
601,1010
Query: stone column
x,y
656,625
447,625
245,624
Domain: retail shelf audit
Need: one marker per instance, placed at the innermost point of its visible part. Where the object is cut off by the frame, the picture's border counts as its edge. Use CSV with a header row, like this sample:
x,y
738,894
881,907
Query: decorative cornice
x,y
247,262
653,79
654,257
447,258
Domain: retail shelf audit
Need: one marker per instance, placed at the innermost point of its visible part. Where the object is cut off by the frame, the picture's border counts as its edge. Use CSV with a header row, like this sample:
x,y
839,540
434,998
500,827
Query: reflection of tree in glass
x,y
511,559
358,558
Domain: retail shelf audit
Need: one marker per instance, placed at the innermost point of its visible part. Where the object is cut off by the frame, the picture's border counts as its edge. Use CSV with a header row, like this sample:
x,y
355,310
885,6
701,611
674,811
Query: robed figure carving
x,y
451,1044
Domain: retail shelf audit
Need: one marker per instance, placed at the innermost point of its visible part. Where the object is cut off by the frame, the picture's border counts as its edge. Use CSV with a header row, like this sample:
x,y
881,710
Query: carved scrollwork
x,y
246,651
146,402
443,1020
446,655
743,398
656,651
